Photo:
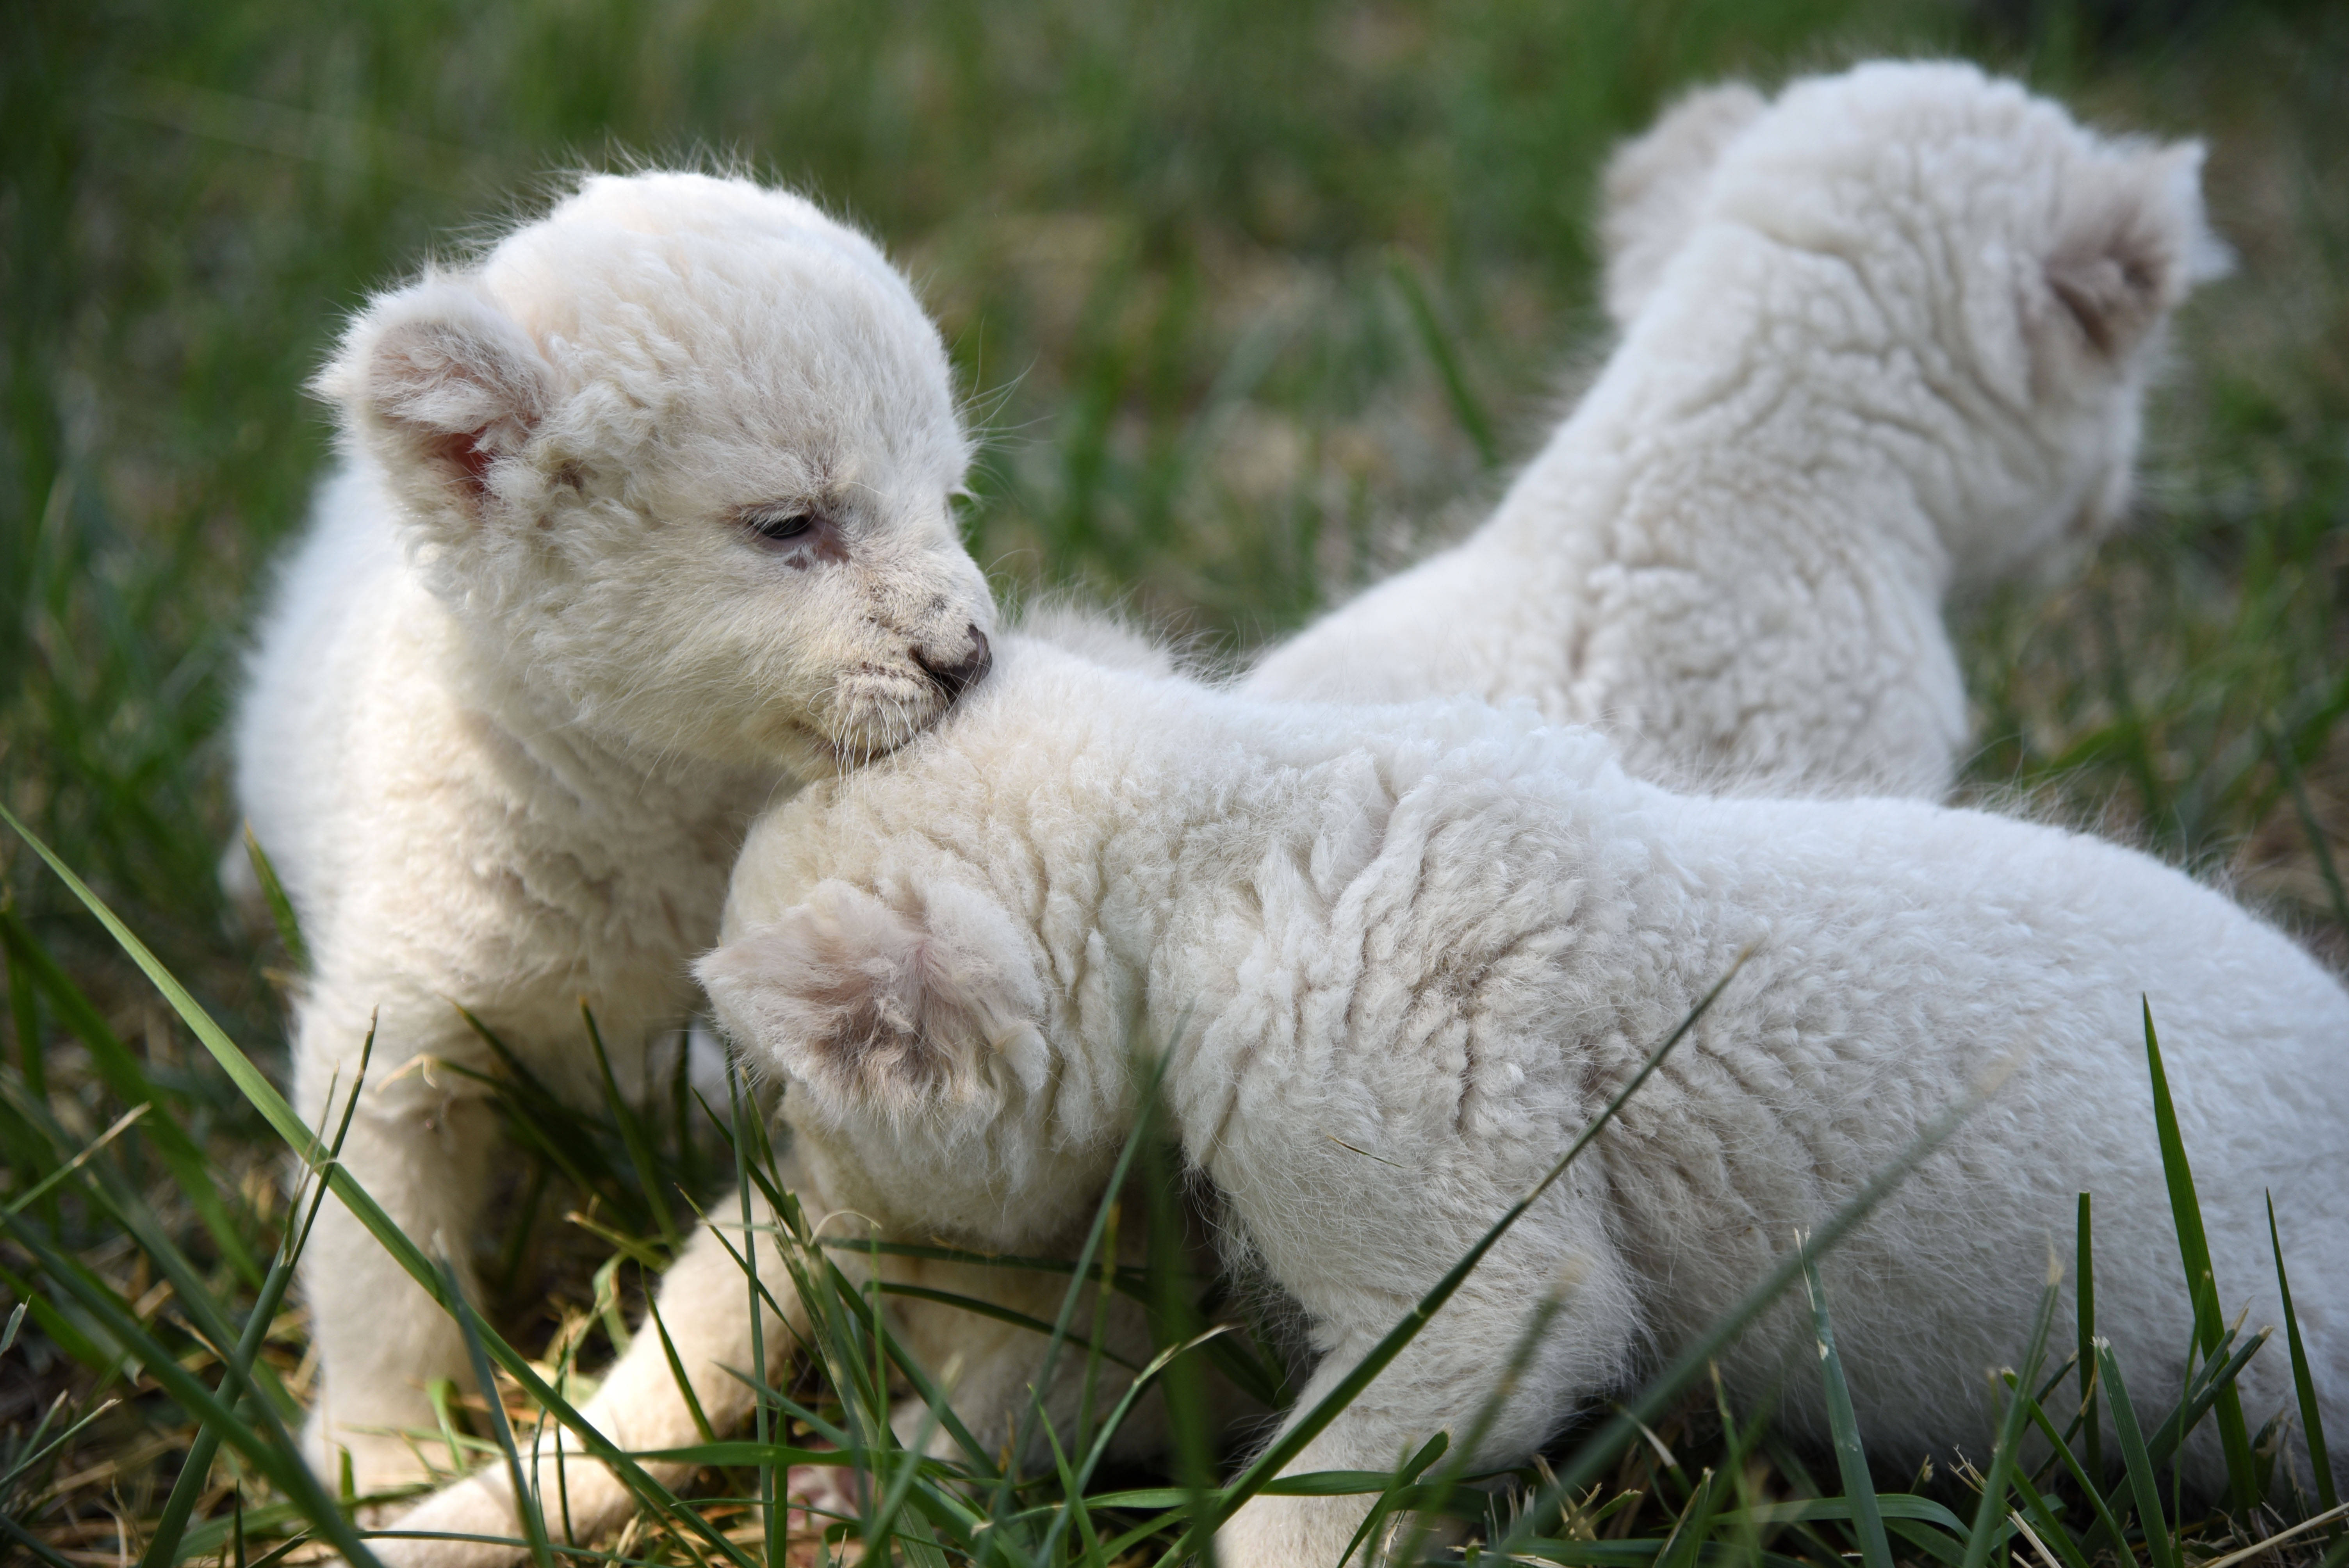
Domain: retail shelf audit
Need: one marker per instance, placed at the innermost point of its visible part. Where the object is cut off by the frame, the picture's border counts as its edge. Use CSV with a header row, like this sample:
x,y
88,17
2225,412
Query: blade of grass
x,y
987,1309
2267,1447
744,1136
632,1136
116,1196
525,1495
543,1120
977,1460
281,908
1686,1539
643,1254
25,1013
745,1454
123,1075
1521,1354
2158,1543
2129,731
677,1367
1127,1401
605,1301
515,1249
1990,1513
34,1543
2023,1527
1891,1506
892,1501
1842,1425
62,1329
2090,1488
680,1083
42,1187
264,1097
264,1444
1248,1371
2038,1508
442,1394
1592,1457
1072,1494
24,1155
2085,1322
1173,1317
2204,1385
1147,1081
1466,407
877,1329
162,1544
34,1448
1096,1338
1304,1428
2312,1416
1129,1280
1396,1493
2194,1252
1738,1441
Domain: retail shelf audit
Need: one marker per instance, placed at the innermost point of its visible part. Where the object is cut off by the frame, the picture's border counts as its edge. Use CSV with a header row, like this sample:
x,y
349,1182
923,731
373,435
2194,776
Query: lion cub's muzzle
x,y
956,671
881,708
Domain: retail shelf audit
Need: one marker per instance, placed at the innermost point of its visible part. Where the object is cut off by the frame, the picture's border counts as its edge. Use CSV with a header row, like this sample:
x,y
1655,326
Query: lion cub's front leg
x,y
705,1304
1447,1377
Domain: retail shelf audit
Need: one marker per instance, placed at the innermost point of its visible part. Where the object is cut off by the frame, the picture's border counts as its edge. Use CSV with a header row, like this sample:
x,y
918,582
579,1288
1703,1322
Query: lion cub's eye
x,y
779,525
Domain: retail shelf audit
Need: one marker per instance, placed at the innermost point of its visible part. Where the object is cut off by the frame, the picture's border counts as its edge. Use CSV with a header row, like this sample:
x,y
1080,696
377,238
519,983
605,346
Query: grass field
x,y
1254,301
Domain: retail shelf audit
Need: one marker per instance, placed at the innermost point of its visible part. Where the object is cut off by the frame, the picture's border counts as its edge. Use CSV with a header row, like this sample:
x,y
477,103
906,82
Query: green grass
x,y
1255,302
967,1505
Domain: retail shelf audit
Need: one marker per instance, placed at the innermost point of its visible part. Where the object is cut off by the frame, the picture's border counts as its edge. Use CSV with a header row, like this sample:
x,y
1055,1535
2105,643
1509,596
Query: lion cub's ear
x,y
2130,242
438,383
875,1007
1655,183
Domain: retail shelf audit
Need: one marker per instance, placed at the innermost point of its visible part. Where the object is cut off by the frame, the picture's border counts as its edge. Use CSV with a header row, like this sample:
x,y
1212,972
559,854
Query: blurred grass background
x,y
1176,251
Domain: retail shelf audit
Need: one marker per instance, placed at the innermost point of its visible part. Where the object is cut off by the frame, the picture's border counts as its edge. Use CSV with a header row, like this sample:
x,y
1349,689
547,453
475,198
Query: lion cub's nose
x,y
956,677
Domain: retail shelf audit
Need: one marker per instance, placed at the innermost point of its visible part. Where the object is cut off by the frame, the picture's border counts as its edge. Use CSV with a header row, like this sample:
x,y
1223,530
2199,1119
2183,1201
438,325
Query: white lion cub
x,y
1884,338
1441,938
642,514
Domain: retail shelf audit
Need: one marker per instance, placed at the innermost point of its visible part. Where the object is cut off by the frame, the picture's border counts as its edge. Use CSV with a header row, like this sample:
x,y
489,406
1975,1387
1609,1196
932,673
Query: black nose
x,y
957,677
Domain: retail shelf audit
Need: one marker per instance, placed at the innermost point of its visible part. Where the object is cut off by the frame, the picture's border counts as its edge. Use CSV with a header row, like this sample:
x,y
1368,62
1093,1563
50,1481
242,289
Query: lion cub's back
x,y
1913,950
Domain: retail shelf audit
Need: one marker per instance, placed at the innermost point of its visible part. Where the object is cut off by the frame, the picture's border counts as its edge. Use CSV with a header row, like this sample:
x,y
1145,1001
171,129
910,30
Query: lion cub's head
x,y
681,455
1986,279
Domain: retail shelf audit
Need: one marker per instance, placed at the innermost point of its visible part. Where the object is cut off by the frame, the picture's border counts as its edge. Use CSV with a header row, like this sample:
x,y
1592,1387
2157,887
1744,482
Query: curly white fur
x,y
537,663
1887,338
1440,938
1884,338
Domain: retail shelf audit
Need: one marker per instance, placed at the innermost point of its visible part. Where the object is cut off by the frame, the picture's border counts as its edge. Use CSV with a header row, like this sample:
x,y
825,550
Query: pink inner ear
x,y
463,448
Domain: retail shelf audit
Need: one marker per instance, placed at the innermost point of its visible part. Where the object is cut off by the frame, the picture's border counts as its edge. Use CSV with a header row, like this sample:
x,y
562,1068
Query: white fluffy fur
x,y
532,672
1904,351
1885,338
1441,938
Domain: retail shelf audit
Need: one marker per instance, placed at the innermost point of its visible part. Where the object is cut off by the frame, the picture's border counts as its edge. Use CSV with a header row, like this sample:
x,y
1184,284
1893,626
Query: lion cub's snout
x,y
956,672
908,678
